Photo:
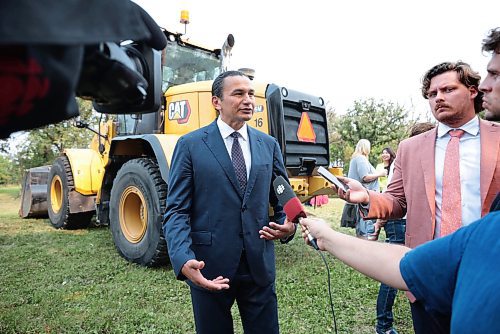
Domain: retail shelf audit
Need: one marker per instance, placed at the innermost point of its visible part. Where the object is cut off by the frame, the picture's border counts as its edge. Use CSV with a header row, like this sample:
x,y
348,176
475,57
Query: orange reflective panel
x,y
305,132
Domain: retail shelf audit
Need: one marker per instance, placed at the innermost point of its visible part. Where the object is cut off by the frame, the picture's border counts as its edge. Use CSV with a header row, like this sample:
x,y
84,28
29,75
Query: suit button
x,y
243,208
240,235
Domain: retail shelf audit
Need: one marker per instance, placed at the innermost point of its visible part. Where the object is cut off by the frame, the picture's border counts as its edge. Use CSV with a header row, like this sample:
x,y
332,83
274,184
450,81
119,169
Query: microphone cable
x,y
329,290
314,244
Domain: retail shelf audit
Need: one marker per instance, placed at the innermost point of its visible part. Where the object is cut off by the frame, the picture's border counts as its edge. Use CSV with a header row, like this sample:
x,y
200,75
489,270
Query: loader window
x,y
126,124
186,63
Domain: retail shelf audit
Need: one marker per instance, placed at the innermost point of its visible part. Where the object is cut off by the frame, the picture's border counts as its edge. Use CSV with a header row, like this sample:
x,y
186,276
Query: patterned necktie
x,y
239,162
451,206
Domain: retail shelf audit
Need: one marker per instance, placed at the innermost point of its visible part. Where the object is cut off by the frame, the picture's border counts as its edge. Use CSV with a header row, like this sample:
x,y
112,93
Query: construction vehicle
x,y
122,178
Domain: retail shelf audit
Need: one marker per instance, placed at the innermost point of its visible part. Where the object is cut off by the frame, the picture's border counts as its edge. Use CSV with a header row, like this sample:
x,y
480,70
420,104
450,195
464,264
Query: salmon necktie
x,y
451,206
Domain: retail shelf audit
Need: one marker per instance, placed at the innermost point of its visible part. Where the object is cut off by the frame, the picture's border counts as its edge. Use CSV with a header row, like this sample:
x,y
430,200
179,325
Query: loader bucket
x,y
34,193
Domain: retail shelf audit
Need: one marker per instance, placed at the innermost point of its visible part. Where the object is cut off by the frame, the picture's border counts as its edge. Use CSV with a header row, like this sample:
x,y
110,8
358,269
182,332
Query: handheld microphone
x,y
291,205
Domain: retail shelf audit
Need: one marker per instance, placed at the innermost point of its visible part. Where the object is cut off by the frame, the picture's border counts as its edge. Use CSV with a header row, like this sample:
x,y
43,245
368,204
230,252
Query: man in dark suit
x,y
217,220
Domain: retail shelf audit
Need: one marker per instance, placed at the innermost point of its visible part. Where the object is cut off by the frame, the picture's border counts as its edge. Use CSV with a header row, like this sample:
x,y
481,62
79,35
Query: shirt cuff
x,y
289,238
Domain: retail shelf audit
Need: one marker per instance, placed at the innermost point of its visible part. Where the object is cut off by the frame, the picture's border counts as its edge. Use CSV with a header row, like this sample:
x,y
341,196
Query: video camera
x,y
105,51
121,78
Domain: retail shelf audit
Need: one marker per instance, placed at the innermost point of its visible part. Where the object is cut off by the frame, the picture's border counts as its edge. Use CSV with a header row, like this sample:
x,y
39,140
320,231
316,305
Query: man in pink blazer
x,y
416,188
413,186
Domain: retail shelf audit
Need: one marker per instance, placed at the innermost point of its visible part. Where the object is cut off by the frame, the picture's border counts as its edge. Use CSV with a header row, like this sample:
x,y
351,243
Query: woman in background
x,y
394,234
362,170
387,157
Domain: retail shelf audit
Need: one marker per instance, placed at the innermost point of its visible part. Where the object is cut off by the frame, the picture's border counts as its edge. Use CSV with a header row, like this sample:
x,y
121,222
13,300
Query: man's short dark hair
x,y
421,127
218,84
492,42
466,75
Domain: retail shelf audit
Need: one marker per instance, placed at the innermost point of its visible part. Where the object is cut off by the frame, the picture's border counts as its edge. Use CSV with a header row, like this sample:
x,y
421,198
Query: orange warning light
x,y
184,16
305,132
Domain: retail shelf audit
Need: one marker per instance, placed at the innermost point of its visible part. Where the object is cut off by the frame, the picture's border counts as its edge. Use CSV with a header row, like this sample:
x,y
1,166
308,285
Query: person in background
x,y
362,170
436,178
217,225
387,156
394,233
421,127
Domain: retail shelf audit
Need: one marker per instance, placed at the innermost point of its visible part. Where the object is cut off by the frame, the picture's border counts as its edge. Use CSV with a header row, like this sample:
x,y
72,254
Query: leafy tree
x,y
4,146
335,139
382,123
7,175
43,145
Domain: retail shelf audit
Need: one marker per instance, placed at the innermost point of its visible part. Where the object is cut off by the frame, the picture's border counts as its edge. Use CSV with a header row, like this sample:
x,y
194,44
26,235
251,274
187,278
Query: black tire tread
x,y
160,256
71,221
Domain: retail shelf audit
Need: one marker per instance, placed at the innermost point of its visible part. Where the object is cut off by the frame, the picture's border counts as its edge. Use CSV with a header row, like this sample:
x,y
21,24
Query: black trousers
x,y
426,323
257,305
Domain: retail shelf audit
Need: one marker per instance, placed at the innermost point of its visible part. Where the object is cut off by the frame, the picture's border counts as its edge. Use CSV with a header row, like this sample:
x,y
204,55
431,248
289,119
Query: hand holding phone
x,y
332,178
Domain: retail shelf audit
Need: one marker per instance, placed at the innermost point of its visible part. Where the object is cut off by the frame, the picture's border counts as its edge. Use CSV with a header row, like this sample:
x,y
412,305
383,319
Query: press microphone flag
x,y
291,205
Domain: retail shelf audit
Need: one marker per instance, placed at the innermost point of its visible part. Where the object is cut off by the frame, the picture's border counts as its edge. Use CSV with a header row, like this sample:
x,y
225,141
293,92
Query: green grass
x,y
9,200
56,281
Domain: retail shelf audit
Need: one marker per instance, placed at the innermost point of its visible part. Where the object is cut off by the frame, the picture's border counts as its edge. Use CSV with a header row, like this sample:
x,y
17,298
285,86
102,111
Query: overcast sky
x,y
340,50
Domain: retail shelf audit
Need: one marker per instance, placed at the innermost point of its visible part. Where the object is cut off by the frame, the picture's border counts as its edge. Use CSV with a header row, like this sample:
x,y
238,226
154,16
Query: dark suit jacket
x,y
413,185
208,218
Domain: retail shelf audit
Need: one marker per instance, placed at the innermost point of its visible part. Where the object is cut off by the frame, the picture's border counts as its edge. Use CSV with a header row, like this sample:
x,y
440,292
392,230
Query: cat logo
x,y
180,111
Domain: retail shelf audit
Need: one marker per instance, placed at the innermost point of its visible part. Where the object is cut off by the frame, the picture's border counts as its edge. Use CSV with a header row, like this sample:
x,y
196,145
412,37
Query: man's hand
x,y
192,270
377,226
277,231
356,192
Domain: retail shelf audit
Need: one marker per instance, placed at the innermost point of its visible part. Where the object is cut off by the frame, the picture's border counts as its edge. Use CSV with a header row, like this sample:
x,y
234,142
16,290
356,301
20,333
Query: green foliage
x,y
382,123
4,146
7,171
336,142
60,281
43,145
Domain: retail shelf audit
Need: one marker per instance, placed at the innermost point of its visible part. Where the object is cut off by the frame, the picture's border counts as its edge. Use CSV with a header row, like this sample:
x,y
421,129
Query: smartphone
x,y
332,178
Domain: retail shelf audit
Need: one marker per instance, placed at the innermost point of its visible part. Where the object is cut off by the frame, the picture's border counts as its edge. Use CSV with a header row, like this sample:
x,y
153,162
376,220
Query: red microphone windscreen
x,y
287,198
294,209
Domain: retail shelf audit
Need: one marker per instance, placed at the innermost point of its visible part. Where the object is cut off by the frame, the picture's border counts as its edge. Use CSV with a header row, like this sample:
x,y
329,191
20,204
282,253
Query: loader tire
x,y
59,185
137,204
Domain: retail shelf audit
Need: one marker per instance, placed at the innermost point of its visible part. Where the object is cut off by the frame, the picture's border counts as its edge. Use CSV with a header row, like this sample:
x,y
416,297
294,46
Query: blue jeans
x,y
395,234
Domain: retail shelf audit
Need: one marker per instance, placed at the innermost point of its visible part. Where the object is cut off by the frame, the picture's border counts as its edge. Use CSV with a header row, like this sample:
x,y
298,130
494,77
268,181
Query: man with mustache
x,y
443,179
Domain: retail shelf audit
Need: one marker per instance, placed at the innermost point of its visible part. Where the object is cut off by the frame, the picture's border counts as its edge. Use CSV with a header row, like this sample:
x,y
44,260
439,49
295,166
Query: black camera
x,y
121,79
70,49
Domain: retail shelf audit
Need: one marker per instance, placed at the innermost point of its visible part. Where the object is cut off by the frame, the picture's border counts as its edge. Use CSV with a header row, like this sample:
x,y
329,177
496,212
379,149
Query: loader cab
x,y
183,62
134,124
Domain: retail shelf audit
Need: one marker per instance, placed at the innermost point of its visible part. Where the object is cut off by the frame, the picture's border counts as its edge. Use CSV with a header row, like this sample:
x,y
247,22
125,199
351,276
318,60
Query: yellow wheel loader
x,y
122,178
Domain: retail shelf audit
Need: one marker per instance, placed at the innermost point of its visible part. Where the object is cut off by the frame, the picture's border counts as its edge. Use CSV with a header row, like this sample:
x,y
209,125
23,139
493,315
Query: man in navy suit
x,y
217,221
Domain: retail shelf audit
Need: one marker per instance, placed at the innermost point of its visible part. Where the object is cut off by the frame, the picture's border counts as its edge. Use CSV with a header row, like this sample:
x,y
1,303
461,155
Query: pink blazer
x,y
412,188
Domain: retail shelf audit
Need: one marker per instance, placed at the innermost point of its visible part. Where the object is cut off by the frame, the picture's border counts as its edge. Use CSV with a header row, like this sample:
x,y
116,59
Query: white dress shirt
x,y
226,131
470,171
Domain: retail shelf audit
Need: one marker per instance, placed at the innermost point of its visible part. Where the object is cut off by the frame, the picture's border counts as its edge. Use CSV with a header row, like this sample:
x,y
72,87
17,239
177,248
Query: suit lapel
x,y
256,151
427,160
489,151
213,139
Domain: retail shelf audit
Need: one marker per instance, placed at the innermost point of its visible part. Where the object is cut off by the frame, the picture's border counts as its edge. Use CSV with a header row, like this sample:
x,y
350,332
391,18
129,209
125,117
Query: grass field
x,y
58,281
